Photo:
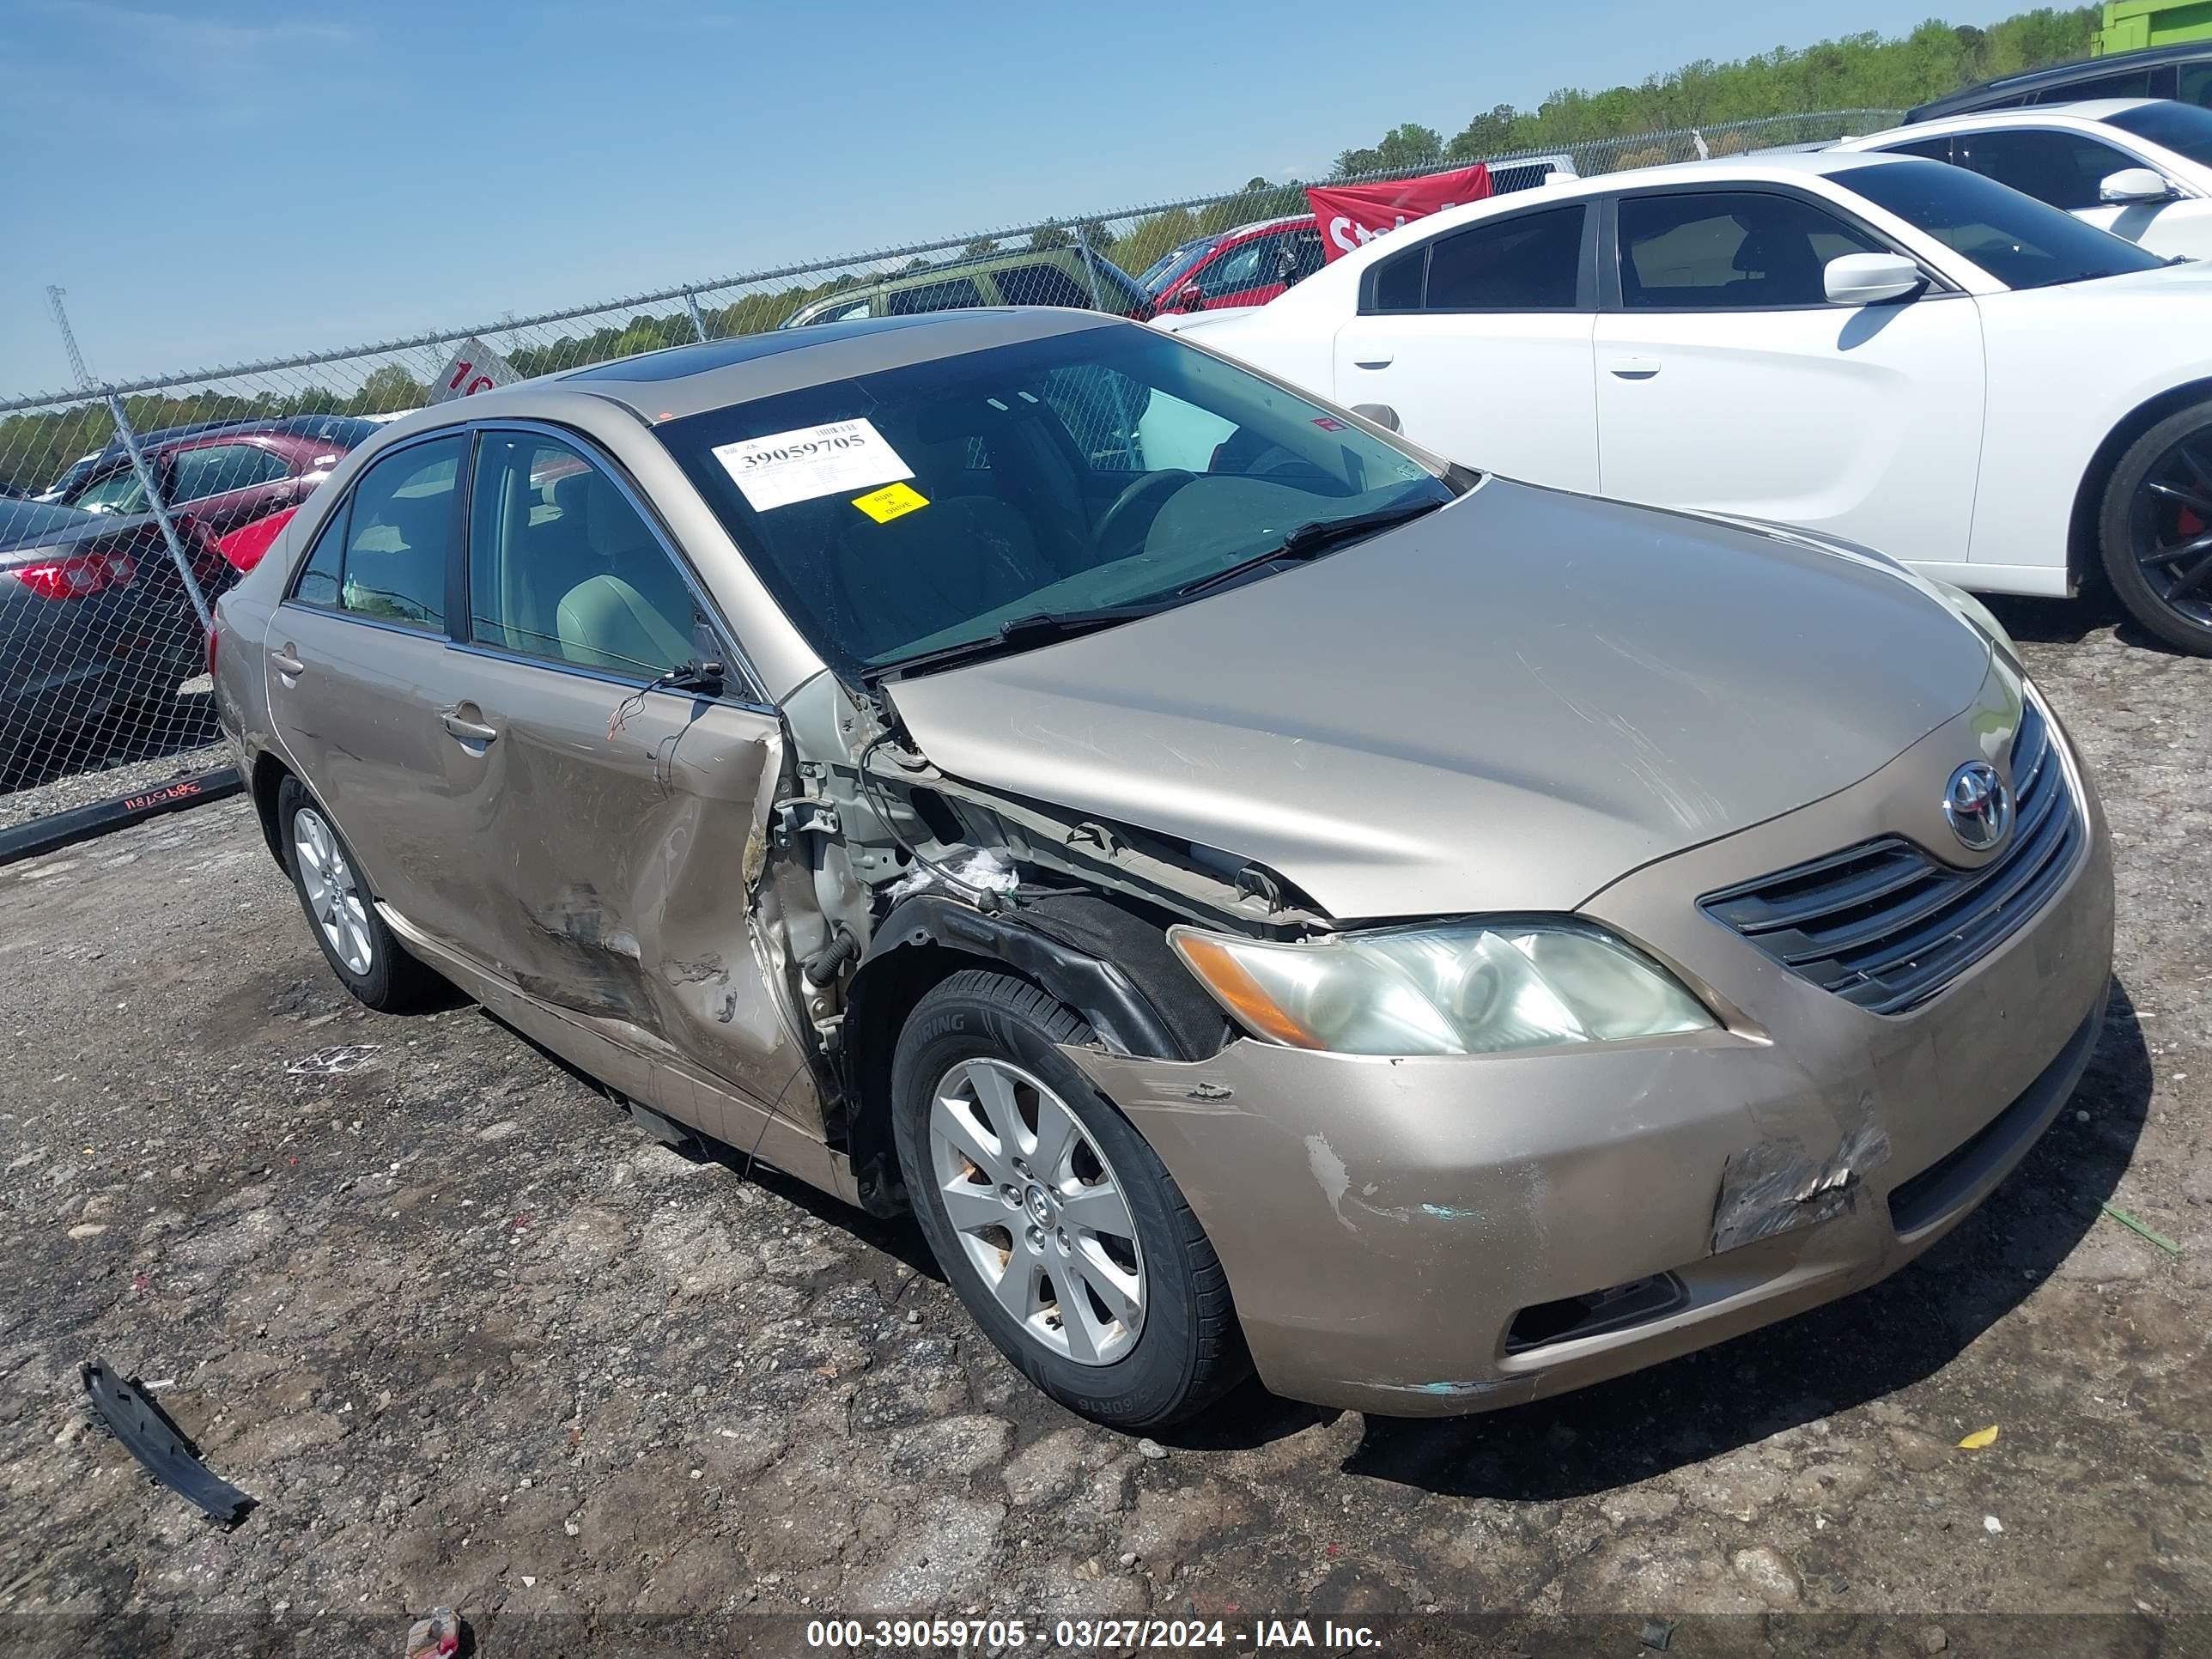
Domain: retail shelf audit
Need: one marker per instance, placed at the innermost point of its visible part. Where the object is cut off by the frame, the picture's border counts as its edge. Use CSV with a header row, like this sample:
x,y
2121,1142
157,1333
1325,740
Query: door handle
x,y
1383,361
468,731
286,663
1634,368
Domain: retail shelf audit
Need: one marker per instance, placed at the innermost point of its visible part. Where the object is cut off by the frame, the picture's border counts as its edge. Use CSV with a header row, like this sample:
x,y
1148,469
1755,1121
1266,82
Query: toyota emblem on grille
x,y
1978,804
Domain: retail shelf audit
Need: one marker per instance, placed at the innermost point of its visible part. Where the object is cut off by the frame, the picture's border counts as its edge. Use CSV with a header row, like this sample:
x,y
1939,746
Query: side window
x,y
1531,262
958,295
1042,285
2196,86
2062,168
1398,283
2129,83
1931,149
320,577
218,468
1251,266
399,536
1729,251
562,566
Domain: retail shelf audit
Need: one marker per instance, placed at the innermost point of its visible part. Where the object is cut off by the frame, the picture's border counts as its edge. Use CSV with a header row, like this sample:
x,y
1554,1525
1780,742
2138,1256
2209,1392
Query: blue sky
x,y
219,182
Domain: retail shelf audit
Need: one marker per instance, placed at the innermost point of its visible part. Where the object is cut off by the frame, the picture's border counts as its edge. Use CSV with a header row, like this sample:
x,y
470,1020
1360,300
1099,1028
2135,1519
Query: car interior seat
x,y
1782,262
622,604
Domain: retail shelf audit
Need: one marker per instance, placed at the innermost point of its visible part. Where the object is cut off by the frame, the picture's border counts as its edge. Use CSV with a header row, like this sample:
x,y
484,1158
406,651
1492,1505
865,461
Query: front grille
x,y
1887,926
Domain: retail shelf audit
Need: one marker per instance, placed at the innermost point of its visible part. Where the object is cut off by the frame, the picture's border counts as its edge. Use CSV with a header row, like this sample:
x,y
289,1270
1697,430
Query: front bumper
x,y
1423,1237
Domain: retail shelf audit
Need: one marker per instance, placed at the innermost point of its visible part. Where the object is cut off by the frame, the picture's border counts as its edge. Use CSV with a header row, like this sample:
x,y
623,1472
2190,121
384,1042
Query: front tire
x,y
1056,1224
342,911
2156,530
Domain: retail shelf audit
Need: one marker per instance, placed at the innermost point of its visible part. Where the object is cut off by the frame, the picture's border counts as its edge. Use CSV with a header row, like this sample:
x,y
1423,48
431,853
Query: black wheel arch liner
x,y
1107,961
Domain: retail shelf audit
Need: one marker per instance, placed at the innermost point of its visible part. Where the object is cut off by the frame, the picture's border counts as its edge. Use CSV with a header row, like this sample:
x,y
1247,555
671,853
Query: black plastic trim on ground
x,y
59,830
148,1435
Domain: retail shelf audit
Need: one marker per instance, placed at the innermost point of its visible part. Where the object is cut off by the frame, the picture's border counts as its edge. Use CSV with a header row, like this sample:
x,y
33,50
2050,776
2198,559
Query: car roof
x,y
689,380
1779,167
2084,109
2057,75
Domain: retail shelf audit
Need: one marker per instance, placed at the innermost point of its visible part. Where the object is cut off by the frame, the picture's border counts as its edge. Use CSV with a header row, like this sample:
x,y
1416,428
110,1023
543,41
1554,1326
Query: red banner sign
x,y
1353,215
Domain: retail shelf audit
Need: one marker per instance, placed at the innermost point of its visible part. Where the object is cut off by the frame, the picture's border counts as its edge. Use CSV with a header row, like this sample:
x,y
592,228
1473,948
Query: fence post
x,y
1089,265
152,487
698,323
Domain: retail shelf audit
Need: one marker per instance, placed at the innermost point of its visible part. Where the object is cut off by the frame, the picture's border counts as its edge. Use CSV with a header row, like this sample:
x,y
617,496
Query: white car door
x,y
1728,382
1479,340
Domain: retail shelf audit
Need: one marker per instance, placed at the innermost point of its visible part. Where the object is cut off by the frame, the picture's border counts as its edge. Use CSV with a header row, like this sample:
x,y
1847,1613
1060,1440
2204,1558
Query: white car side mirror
x,y
1382,414
2134,184
1866,279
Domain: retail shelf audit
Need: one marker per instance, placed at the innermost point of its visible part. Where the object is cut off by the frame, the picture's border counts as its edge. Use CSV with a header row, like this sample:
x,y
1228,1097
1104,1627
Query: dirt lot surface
x,y
469,1338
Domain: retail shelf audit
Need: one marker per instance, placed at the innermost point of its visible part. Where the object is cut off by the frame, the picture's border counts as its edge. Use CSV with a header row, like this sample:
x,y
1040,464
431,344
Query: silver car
x,y
1261,897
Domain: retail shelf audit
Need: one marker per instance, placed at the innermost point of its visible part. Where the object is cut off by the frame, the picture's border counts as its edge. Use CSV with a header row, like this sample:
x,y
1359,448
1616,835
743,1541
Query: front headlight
x,y
1457,987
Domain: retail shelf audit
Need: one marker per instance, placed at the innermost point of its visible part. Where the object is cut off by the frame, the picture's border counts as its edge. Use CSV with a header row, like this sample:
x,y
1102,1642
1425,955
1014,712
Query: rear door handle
x,y
468,731
286,663
1635,368
1383,361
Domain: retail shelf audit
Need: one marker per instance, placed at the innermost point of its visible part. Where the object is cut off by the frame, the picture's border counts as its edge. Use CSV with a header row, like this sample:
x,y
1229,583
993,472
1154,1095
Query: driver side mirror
x,y
1868,279
1193,298
2134,184
1382,414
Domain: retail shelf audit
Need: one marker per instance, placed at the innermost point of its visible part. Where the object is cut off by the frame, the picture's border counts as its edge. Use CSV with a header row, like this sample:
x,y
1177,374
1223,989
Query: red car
x,y
221,479
1252,263
1246,266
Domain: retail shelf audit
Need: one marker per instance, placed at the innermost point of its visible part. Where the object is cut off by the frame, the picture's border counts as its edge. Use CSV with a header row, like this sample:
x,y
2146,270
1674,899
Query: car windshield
x,y
907,512
2185,128
2020,241
1174,265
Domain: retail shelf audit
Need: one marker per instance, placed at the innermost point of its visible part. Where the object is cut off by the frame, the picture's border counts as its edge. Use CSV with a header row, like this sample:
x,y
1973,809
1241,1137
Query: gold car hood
x,y
1503,706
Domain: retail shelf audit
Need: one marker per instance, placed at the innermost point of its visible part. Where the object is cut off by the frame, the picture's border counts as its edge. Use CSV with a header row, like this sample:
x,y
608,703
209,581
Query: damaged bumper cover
x,y
1435,1235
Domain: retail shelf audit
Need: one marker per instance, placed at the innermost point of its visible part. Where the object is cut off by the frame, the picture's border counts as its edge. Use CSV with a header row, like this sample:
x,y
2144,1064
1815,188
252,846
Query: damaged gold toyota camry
x,y
1262,896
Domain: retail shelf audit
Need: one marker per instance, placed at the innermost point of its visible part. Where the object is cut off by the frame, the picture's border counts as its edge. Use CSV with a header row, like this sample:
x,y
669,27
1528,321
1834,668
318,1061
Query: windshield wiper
x,y
1313,539
1018,633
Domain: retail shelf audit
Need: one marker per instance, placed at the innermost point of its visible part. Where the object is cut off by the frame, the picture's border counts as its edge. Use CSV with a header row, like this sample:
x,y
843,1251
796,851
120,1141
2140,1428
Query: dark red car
x,y
221,479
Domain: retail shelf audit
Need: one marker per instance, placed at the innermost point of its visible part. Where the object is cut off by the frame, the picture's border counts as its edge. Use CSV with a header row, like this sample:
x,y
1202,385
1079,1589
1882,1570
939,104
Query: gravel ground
x,y
469,1338
139,752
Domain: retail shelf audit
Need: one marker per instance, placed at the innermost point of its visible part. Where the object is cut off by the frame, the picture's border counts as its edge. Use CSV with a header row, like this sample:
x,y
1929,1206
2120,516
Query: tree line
x,y
1856,71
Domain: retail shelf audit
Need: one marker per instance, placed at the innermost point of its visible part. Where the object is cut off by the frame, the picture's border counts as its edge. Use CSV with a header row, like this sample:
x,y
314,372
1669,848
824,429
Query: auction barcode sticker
x,y
812,461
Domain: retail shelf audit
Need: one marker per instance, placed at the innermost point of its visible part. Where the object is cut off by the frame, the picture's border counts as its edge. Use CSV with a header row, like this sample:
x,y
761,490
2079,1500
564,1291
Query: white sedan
x,y
1881,348
2140,167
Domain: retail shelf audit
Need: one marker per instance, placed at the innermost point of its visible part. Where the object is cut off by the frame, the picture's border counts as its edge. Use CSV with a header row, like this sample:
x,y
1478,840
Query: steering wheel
x,y
1153,489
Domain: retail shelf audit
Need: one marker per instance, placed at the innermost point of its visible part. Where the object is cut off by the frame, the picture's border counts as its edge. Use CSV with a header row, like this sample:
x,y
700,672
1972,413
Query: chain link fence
x,y
127,509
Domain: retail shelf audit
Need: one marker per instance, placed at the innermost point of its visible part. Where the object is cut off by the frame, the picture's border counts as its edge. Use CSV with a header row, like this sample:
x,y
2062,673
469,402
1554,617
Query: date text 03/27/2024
x,y
1078,1635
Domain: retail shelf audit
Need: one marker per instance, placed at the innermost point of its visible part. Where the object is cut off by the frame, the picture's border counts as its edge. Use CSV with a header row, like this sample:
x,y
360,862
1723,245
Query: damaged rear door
x,y
611,818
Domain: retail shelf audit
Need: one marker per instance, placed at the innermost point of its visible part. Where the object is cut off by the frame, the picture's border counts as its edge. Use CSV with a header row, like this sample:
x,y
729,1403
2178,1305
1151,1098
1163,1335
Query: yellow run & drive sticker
x,y
891,502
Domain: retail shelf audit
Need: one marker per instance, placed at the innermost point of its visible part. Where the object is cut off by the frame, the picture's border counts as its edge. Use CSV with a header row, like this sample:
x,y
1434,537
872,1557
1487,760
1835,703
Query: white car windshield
x,y
2020,241
2185,128
917,511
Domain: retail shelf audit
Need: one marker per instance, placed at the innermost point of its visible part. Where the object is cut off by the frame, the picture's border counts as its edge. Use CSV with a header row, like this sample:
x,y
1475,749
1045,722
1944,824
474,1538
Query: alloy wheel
x,y
2172,526
1039,1213
334,897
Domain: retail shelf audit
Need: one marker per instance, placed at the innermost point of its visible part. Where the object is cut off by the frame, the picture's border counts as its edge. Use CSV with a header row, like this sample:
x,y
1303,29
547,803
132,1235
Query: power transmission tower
x,y
68,338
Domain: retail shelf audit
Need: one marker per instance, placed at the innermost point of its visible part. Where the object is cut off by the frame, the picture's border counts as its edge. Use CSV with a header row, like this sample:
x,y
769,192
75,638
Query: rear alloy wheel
x,y
354,941
1056,1224
2157,530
